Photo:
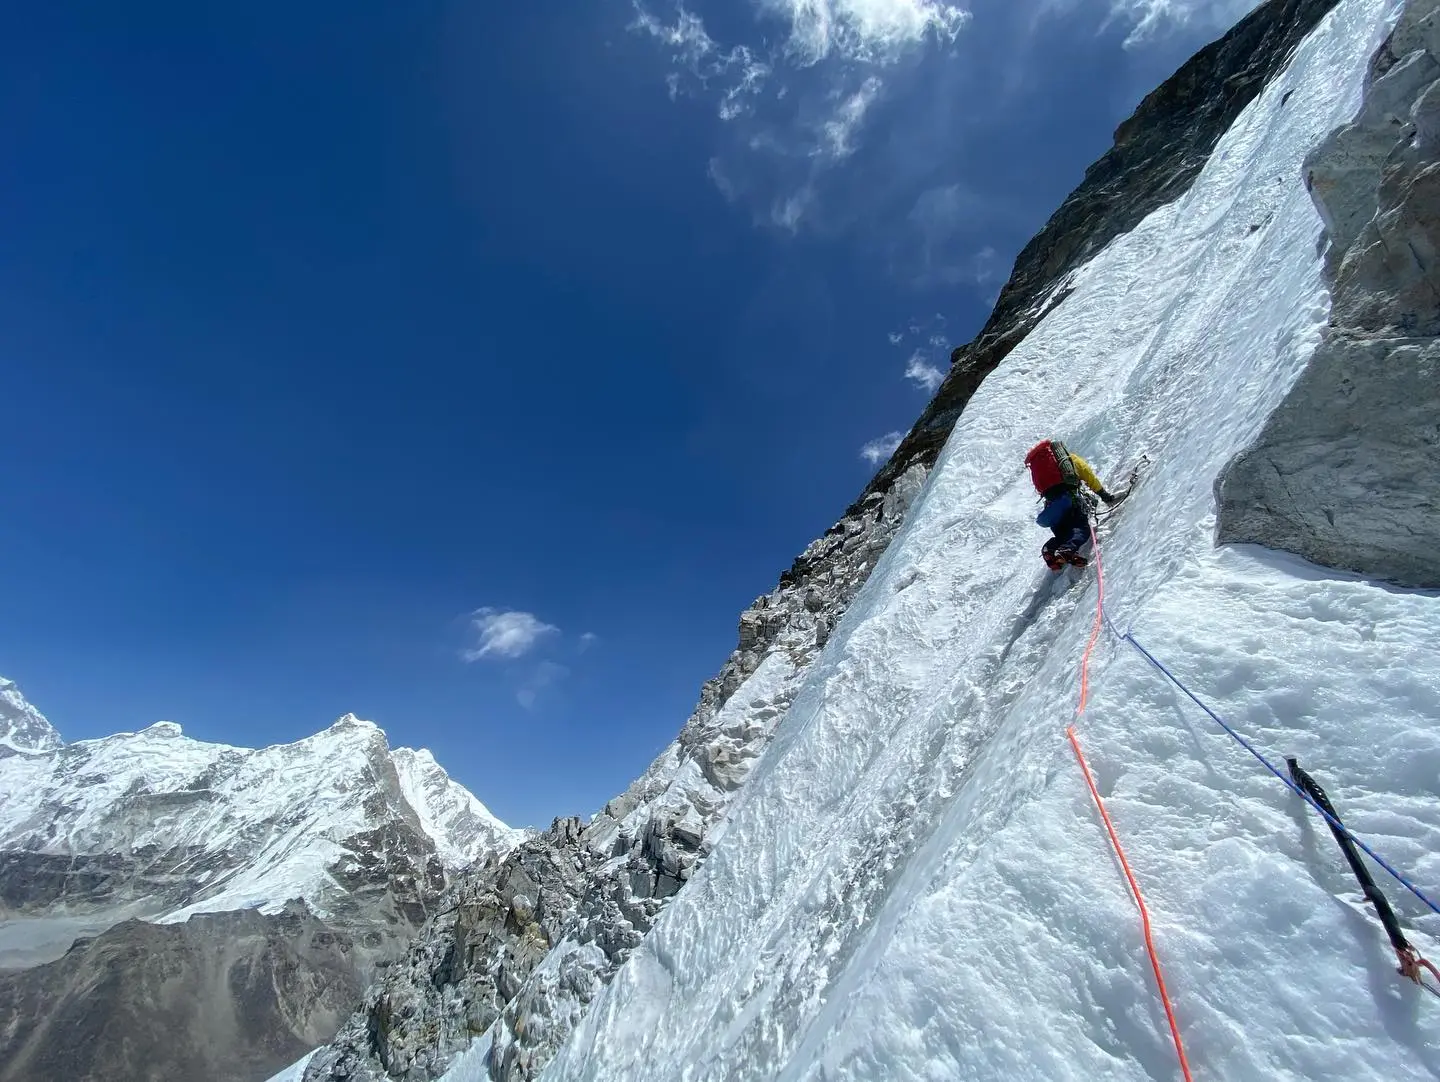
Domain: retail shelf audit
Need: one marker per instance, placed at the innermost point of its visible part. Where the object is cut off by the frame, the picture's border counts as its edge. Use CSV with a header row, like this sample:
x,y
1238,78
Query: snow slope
x,y
914,883
244,828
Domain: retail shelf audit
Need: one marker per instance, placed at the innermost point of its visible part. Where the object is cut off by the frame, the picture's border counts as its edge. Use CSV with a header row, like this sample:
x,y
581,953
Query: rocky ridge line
x,y
23,729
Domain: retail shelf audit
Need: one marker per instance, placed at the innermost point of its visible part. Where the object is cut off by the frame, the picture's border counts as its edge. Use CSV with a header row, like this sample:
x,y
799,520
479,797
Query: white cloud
x,y
839,132
800,93
788,211
505,634
1152,18
587,640
692,48
867,30
691,44
881,448
543,677
922,336
925,374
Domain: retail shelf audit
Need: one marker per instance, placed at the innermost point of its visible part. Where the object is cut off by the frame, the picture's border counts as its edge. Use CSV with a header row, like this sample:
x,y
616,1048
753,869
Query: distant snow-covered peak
x,y
350,721
320,818
22,727
464,829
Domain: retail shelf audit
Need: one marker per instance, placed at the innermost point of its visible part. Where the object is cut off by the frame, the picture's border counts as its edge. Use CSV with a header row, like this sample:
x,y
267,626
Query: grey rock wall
x,y
1346,471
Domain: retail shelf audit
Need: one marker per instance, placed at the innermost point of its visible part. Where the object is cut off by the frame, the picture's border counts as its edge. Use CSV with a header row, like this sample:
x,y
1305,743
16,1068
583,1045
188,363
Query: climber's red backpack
x,y
1050,465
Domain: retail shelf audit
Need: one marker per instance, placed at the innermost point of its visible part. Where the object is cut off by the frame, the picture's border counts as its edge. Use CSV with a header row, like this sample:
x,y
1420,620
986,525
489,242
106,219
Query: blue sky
x,y
470,367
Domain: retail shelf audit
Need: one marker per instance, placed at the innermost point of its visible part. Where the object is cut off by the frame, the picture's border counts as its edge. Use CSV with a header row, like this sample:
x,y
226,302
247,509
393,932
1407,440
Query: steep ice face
x,y
22,727
197,827
913,883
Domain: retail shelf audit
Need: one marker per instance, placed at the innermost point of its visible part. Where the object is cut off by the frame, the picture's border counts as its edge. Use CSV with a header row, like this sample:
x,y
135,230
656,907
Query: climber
x,y
1057,475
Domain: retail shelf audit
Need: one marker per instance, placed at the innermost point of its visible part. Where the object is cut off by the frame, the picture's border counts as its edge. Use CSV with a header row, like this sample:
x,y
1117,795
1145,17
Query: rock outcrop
x,y
1346,472
22,727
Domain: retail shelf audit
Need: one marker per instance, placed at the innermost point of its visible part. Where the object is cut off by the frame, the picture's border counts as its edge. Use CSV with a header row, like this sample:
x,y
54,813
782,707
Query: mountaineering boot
x,y
1074,559
1053,560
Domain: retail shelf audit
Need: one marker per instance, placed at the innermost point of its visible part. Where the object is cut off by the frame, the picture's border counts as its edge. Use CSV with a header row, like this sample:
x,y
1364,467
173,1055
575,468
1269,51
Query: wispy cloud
x,y
836,113
587,640
798,100
839,131
876,31
542,678
881,448
944,240
505,634
735,73
1150,18
924,374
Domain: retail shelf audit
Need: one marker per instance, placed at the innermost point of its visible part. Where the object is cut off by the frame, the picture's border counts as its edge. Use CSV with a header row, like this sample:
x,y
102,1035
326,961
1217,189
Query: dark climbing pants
x,y
1071,532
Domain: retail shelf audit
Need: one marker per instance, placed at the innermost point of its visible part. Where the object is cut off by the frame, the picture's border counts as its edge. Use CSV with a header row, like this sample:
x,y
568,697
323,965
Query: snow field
x,y
915,884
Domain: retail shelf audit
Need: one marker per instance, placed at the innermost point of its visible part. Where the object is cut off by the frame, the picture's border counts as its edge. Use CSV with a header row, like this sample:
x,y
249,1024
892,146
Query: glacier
x,y
913,882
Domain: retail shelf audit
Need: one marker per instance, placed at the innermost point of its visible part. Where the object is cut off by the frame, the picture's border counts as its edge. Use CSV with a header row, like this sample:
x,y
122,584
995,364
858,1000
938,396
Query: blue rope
x,y
1125,636
1335,823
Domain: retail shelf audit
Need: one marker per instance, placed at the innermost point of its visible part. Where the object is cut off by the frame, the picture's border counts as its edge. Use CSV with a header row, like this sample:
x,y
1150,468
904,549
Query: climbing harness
x,y
1412,965
1139,902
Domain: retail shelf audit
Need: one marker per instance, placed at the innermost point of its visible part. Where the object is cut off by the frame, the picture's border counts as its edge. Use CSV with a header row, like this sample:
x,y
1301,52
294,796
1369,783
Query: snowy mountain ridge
x,y
174,908
243,828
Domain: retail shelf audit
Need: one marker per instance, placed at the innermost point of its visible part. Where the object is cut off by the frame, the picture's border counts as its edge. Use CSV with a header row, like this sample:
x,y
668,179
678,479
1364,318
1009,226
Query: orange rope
x,y
1095,628
1139,901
